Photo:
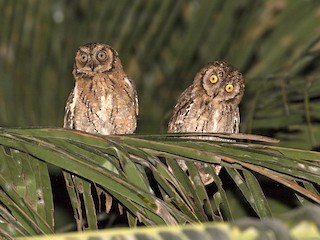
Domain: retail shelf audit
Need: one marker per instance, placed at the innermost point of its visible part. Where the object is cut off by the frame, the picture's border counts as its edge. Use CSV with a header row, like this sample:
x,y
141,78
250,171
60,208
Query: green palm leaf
x,y
129,167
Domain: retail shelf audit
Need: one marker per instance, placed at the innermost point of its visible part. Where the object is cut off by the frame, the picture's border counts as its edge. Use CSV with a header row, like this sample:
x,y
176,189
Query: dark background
x,y
162,44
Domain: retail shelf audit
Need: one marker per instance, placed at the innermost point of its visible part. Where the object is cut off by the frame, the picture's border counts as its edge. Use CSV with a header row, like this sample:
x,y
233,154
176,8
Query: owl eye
x,y
83,57
101,55
229,88
213,78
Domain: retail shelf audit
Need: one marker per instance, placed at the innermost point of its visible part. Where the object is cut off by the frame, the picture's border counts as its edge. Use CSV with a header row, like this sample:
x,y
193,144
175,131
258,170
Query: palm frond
x,y
132,169
299,224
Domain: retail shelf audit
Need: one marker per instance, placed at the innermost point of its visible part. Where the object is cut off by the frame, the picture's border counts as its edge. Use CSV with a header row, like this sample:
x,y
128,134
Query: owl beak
x,y
214,94
91,64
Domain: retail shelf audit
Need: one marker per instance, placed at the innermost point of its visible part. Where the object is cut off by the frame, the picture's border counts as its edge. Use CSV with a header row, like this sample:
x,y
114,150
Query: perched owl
x,y
210,104
104,100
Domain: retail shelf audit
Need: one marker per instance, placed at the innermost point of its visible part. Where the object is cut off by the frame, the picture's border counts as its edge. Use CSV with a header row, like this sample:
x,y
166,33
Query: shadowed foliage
x,y
132,170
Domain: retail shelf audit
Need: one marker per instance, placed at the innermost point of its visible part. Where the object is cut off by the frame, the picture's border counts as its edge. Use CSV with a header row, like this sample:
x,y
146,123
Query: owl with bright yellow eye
x,y
210,104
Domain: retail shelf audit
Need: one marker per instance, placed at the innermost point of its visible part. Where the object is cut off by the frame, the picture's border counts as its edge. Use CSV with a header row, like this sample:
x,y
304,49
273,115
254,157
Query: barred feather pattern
x,y
209,107
104,100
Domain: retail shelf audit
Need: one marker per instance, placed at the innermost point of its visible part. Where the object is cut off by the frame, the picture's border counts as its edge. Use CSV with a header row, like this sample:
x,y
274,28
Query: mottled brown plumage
x,y
104,99
210,104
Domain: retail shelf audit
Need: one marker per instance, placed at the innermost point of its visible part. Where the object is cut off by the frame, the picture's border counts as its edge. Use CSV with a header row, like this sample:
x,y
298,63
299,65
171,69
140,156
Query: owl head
x,y
220,82
93,58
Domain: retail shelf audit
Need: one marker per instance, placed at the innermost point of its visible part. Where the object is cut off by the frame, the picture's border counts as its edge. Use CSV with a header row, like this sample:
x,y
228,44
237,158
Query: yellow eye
x,y
229,88
213,78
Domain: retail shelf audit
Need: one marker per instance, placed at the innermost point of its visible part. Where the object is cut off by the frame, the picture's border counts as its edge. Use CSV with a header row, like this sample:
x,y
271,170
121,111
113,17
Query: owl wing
x,y
180,110
131,85
136,100
69,111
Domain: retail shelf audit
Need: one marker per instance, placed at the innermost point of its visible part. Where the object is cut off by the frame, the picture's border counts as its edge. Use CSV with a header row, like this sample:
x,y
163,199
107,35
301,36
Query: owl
x,y
104,100
210,104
